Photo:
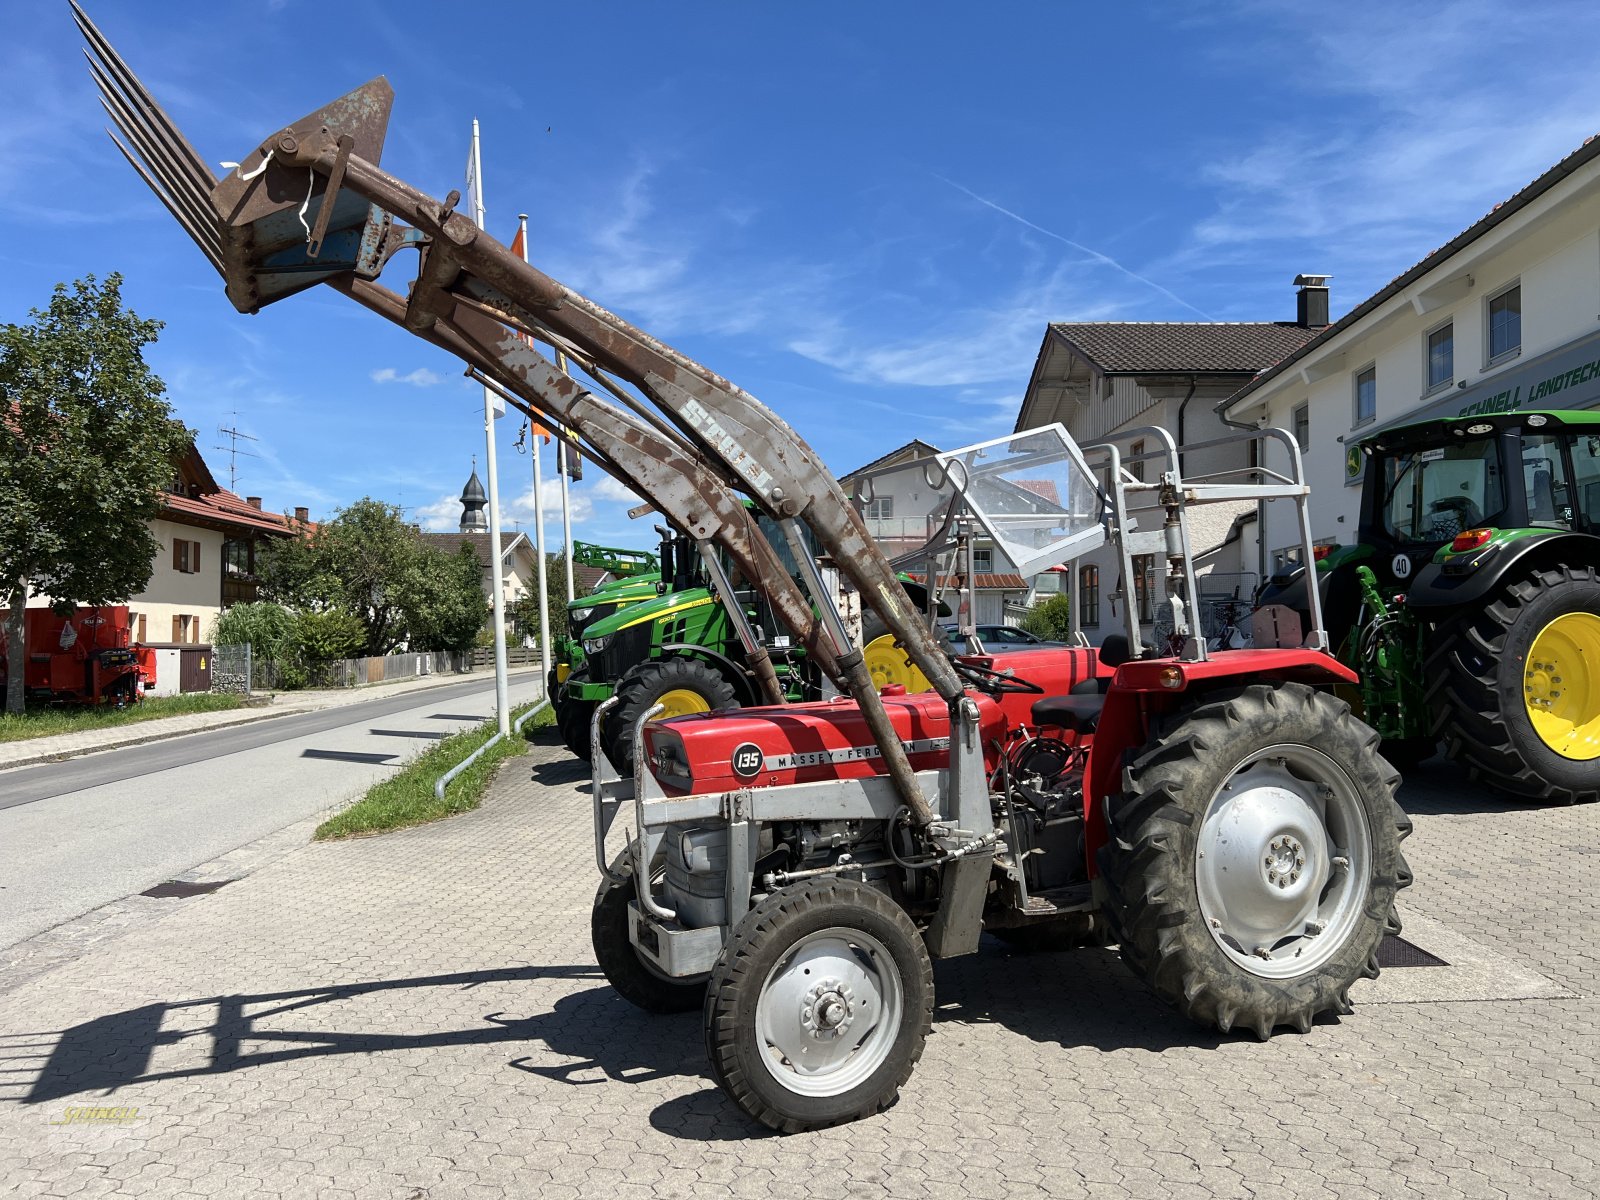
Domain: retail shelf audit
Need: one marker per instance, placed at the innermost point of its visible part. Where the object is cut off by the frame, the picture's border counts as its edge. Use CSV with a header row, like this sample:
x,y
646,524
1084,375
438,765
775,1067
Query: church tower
x,y
473,502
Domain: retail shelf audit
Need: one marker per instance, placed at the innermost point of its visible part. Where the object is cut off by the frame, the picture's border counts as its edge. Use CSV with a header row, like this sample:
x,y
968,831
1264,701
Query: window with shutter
x,y
177,629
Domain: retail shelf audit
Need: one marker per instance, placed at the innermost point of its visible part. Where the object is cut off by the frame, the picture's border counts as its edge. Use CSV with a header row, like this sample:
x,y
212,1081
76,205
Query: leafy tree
x,y
1051,618
87,445
355,562
441,597
329,634
524,613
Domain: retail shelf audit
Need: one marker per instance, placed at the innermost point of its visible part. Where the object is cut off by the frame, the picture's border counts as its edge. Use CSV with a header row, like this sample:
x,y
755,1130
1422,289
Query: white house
x,y
903,511
1505,315
1106,380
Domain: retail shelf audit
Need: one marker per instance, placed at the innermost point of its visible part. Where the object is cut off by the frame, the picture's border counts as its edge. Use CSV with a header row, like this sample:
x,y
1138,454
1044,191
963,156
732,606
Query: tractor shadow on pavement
x,y
1440,788
602,1036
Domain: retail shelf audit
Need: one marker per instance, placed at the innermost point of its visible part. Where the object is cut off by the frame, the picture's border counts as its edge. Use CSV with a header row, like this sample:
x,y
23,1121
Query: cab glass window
x,y
1432,495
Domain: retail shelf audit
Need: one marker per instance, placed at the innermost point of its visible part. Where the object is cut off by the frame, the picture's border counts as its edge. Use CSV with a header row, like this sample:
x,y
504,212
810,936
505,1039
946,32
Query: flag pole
x,y
538,521
502,691
566,506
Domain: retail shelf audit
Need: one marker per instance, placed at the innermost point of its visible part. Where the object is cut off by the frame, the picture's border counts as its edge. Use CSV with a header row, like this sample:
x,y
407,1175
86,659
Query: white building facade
x,y
1504,316
1104,381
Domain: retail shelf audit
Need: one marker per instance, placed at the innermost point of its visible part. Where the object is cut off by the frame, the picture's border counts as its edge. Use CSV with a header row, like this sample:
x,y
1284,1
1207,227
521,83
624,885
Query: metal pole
x,y
502,695
538,522
566,504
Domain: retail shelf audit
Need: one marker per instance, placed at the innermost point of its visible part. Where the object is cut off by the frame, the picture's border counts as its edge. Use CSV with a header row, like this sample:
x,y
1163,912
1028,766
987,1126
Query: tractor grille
x,y
628,647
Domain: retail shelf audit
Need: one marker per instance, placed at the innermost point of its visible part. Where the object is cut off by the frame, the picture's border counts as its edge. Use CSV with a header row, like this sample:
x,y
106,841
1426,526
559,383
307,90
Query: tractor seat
x,y
1077,714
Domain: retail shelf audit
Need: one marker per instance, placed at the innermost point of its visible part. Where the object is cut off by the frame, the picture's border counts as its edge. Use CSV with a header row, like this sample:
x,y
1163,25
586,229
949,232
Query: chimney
x,y
303,515
254,502
1311,301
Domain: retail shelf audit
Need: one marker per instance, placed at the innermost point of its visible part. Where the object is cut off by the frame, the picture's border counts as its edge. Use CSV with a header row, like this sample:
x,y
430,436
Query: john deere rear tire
x,y
1255,858
1515,686
684,685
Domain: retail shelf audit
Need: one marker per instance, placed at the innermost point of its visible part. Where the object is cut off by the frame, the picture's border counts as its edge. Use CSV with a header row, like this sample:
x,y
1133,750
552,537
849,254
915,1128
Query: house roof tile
x,y
1136,347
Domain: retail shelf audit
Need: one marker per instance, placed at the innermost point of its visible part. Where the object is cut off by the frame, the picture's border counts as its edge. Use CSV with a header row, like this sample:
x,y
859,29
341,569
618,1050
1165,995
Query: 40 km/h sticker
x,y
748,760
1401,566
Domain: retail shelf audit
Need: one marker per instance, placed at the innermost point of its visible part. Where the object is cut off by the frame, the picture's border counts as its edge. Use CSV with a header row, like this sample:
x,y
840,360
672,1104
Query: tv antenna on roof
x,y
233,436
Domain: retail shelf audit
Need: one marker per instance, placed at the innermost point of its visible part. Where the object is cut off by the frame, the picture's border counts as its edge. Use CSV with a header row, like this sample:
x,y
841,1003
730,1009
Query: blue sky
x,y
865,214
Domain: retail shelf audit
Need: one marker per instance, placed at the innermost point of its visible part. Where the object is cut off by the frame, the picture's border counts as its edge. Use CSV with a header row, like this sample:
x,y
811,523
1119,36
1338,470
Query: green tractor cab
x,y
1471,604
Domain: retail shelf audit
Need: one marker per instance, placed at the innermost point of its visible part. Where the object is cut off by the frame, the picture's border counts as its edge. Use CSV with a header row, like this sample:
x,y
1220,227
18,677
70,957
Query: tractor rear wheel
x,y
1256,857
635,980
682,685
1515,686
819,1006
572,716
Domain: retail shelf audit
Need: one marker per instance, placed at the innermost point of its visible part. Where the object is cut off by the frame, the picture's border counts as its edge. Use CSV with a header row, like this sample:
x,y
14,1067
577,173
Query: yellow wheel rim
x,y
1561,686
890,664
680,702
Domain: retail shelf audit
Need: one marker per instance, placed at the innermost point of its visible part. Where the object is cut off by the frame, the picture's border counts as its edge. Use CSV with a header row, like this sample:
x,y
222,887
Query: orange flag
x,y
520,249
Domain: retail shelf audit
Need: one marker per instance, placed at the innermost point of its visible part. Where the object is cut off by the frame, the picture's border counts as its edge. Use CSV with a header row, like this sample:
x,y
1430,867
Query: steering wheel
x,y
996,682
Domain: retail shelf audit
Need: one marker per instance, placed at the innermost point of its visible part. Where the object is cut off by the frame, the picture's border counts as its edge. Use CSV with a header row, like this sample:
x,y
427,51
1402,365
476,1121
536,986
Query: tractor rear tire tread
x,y
1147,865
639,689
1465,658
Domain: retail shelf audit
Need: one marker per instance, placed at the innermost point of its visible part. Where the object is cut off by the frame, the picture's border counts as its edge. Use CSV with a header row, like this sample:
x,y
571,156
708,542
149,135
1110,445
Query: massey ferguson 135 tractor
x,y
1470,603
793,868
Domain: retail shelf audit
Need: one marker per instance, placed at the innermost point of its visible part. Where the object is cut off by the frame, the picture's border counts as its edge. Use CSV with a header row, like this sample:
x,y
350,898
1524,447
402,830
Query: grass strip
x,y
406,798
48,721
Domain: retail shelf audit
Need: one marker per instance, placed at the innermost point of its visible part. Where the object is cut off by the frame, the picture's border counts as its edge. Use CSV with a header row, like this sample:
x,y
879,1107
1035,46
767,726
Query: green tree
x,y
441,597
329,634
523,614
1051,618
357,561
87,445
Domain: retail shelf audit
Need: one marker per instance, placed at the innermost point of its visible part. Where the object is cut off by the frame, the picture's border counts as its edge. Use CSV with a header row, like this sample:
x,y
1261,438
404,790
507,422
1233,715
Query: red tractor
x,y
86,656
1219,815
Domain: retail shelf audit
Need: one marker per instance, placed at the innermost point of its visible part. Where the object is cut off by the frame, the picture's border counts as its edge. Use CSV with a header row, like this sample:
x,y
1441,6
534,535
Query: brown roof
x,y
1129,347
222,508
1500,212
451,542
918,448
1005,581
586,579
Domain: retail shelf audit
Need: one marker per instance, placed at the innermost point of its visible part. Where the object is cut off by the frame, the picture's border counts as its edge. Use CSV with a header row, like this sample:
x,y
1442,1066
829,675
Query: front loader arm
x,y
310,205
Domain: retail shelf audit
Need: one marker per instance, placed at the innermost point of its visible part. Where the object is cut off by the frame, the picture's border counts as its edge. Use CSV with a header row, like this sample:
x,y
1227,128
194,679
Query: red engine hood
x,y
801,743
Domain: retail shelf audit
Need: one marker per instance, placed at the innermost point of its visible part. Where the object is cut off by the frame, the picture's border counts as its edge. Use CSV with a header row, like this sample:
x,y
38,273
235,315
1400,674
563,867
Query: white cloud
x,y
421,377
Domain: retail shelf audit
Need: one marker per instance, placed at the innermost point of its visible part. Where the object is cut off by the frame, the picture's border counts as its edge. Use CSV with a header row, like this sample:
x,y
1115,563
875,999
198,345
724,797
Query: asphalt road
x,y
78,834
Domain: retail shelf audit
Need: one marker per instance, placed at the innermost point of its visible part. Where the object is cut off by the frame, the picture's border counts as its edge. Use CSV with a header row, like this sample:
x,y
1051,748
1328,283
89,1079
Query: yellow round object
x,y
680,702
1561,685
890,664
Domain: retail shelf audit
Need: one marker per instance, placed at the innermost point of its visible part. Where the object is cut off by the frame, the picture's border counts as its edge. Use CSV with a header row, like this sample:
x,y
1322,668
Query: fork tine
x,y
209,248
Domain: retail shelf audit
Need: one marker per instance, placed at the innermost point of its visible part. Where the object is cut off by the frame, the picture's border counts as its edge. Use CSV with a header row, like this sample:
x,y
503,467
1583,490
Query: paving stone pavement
x,y
419,1015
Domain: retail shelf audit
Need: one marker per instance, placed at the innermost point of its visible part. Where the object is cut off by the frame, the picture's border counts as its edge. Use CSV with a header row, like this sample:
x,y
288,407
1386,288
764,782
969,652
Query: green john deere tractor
x,y
1471,603
680,649
636,576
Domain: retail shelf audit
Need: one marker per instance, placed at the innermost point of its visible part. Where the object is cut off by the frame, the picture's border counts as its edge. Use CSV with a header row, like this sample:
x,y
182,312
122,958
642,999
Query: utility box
x,y
181,667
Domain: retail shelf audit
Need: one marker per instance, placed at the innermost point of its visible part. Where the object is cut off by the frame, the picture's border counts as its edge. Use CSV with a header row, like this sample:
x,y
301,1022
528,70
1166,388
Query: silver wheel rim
x,y
1283,861
829,1012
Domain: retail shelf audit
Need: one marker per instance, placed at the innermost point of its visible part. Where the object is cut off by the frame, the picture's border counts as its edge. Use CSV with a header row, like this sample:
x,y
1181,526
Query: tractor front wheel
x,y
681,685
819,1006
572,717
1516,686
1256,857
